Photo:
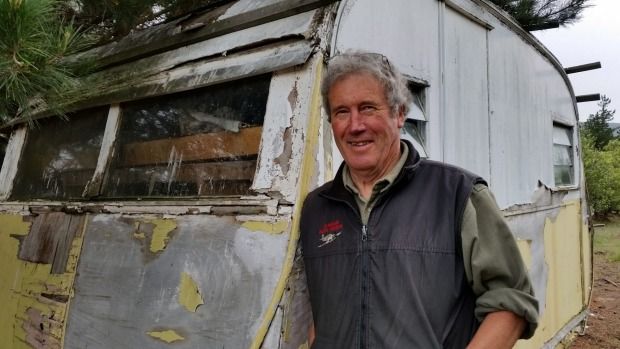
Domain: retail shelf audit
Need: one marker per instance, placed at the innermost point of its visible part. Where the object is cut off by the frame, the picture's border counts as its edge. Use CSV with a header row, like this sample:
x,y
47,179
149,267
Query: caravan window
x,y
415,122
195,143
562,155
60,156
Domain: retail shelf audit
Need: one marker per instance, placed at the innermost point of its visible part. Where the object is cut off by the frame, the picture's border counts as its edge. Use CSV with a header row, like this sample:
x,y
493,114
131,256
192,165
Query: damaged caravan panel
x,y
165,211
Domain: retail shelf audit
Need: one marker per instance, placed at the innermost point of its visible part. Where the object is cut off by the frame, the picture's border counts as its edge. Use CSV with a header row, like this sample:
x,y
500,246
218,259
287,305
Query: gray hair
x,y
378,66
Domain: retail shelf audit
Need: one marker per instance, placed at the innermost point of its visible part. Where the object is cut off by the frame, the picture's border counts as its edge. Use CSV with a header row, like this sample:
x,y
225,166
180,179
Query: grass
x,y
607,238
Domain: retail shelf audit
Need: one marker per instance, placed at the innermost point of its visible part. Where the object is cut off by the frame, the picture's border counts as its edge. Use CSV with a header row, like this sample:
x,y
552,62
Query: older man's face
x,y
365,129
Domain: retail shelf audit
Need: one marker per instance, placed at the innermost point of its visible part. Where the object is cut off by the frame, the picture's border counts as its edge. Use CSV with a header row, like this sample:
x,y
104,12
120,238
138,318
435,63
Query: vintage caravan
x,y
164,212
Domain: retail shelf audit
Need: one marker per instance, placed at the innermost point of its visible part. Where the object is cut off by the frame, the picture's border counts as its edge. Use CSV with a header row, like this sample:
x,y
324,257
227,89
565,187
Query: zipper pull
x,y
364,232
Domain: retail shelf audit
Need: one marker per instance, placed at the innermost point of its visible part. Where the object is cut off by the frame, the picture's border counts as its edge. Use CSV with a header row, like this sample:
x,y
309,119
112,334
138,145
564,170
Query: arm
x,y
496,273
499,329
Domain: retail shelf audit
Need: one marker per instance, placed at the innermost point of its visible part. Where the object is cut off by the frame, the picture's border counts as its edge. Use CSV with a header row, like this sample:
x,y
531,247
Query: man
x,y
402,252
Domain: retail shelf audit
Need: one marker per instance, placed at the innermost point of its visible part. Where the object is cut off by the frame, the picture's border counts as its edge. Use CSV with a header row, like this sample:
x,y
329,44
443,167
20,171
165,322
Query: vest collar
x,y
337,190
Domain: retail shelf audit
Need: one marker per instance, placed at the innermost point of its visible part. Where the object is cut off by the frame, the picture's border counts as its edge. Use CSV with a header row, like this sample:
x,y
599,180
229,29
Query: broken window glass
x,y
562,155
415,122
60,156
195,143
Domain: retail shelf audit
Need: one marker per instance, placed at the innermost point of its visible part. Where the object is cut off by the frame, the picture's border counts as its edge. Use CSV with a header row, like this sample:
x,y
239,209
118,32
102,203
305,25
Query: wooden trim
x,y
11,161
198,74
93,187
199,147
182,33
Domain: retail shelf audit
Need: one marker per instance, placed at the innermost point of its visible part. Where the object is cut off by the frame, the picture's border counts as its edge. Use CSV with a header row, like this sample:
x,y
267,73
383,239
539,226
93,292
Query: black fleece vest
x,y
398,282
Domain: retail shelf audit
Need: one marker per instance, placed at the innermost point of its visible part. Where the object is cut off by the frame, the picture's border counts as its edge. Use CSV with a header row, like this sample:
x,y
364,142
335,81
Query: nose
x,y
357,121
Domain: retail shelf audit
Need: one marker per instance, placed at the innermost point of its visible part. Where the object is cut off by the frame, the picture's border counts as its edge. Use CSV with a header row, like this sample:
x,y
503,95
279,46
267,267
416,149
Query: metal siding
x,y
466,124
129,282
556,252
525,98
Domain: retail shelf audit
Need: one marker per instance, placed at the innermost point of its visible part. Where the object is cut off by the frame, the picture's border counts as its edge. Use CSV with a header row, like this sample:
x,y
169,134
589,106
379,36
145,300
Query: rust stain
x,y
292,96
39,329
284,158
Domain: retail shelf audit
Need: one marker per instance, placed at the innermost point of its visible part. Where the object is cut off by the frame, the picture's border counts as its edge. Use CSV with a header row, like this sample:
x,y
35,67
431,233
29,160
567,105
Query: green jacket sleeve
x,y
493,263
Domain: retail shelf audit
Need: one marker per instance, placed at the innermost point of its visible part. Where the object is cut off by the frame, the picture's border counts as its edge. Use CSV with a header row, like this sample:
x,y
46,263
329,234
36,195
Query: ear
x,y
401,117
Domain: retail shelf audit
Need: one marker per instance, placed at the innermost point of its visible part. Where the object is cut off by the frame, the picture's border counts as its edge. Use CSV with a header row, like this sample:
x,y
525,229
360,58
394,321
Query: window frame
x,y
558,131
94,188
419,123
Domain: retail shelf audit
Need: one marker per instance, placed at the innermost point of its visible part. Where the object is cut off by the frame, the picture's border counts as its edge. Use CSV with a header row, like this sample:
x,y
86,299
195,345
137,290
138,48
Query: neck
x,y
365,180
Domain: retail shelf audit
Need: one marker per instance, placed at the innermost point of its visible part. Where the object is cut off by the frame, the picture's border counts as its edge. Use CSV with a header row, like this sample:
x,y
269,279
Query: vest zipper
x,y
364,286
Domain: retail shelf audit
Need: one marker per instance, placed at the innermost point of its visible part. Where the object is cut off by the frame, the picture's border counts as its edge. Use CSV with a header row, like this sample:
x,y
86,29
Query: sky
x,y
596,37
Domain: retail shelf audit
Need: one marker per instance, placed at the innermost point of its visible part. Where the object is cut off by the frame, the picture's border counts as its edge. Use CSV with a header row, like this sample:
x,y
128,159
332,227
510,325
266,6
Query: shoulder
x,y
315,199
316,193
436,168
483,199
444,167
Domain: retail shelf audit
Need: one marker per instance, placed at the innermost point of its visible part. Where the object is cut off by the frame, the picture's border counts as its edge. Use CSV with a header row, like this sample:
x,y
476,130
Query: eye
x,y
340,113
367,109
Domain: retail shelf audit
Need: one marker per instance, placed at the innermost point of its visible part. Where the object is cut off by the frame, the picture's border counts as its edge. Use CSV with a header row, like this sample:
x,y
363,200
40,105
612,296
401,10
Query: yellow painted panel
x,y
278,227
167,336
563,257
10,273
587,262
189,294
525,247
161,233
34,301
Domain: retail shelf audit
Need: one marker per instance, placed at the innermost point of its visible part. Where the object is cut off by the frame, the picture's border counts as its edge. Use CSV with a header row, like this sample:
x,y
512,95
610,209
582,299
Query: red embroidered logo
x,y
329,232
331,227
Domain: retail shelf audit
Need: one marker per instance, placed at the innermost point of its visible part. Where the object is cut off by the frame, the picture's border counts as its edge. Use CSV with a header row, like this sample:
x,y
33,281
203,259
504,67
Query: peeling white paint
x,y
262,218
11,160
290,26
280,115
243,6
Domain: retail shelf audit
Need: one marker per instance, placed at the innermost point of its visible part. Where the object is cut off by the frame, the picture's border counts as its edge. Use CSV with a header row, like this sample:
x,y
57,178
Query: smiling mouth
x,y
359,144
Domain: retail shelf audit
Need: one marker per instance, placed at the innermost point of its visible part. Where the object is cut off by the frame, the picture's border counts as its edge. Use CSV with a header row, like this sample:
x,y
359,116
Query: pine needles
x,y
537,12
34,39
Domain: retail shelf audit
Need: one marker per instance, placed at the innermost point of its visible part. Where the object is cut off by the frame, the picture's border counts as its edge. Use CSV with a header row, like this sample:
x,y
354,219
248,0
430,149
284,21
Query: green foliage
x,y
34,39
607,238
597,126
537,12
602,171
36,36
601,160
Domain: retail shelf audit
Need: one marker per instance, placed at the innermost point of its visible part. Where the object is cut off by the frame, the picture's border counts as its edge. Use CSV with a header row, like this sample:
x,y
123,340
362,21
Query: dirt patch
x,y
603,324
